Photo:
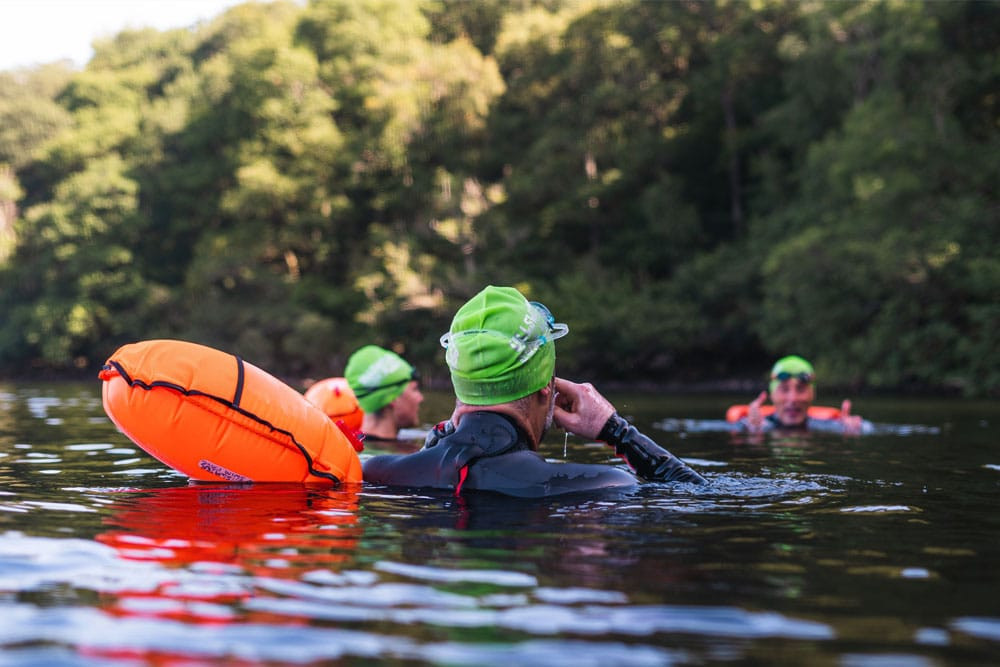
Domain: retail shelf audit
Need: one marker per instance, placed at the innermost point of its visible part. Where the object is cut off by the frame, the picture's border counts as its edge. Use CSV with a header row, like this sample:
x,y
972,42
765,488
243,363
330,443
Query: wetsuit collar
x,y
491,433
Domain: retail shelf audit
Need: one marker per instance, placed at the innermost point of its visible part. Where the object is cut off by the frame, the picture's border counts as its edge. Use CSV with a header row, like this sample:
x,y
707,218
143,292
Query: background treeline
x,y
695,187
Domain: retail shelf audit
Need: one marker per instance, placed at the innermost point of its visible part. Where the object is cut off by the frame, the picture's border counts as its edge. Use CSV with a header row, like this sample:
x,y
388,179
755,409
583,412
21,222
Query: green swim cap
x,y
499,347
789,367
377,377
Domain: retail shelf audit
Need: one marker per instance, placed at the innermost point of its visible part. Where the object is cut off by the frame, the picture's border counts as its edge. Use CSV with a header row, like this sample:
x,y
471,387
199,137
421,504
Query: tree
x,y
73,294
869,264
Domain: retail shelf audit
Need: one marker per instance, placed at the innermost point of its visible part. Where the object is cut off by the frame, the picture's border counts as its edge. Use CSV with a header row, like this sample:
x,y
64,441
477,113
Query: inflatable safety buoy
x,y
215,417
335,397
738,412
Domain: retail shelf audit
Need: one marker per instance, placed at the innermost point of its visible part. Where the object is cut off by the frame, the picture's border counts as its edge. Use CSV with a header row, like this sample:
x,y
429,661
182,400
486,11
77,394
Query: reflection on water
x,y
263,529
825,550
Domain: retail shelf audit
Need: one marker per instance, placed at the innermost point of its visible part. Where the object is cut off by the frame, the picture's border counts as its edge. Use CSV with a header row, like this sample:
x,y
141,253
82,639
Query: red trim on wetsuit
x,y
462,473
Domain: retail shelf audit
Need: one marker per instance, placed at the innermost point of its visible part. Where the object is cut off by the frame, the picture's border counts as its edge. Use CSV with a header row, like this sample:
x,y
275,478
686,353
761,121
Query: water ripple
x,y
984,628
545,619
95,634
878,509
554,654
380,595
497,577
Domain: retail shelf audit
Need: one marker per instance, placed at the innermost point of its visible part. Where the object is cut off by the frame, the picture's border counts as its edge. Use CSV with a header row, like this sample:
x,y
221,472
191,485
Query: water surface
x,y
877,550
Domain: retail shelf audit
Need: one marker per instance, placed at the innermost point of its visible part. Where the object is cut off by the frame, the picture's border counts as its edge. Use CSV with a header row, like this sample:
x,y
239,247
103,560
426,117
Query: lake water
x,y
877,550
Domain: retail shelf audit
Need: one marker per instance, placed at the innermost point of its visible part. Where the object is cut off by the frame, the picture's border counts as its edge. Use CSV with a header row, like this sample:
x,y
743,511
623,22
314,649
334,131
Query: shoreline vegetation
x,y
733,386
696,188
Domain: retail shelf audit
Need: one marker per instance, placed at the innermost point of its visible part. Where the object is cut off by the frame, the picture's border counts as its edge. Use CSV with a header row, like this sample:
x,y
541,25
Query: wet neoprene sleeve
x,y
648,459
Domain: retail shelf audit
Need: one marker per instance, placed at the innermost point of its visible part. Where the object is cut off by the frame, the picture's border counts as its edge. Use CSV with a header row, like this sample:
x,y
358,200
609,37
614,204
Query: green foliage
x,y
695,187
616,330
29,113
72,288
871,287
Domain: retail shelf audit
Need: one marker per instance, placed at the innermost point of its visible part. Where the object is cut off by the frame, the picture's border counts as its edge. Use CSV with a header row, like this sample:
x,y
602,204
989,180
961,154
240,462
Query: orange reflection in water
x,y
262,530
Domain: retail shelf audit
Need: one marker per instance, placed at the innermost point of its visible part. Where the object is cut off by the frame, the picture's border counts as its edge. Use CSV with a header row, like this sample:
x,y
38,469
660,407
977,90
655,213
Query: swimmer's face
x,y
792,398
406,407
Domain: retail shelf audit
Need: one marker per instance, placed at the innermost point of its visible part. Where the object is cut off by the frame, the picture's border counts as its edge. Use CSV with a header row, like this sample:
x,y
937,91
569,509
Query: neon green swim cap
x,y
500,348
377,377
789,367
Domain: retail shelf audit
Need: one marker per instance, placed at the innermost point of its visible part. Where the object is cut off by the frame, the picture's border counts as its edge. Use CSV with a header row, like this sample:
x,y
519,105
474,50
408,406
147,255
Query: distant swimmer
x,y
500,350
387,388
792,391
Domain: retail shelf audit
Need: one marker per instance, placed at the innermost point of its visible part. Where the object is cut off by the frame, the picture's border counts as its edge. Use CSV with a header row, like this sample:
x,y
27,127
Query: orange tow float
x,y
335,397
215,417
738,412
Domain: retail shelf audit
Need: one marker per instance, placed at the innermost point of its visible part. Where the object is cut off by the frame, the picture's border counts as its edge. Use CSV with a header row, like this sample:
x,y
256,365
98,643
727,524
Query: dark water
x,y
878,550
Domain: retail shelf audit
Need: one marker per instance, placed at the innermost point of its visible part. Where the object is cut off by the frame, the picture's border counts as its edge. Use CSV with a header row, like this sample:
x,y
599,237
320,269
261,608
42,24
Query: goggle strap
x,y
367,391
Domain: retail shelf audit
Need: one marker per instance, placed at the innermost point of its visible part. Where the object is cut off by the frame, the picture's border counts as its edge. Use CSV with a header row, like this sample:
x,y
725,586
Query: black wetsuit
x,y
488,452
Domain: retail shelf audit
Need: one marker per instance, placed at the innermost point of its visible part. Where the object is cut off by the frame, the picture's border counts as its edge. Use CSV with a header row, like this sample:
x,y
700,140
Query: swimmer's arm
x,y
852,424
648,459
753,422
391,470
581,409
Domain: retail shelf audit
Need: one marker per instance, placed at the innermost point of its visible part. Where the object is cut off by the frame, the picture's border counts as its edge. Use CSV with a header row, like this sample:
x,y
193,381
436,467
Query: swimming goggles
x,y
539,328
785,375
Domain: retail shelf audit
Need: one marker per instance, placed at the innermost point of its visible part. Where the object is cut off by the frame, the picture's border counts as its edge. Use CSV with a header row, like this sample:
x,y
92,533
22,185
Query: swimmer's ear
x,y
545,393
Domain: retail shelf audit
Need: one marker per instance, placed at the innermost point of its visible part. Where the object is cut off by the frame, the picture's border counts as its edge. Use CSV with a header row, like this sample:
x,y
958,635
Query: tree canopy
x,y
695,187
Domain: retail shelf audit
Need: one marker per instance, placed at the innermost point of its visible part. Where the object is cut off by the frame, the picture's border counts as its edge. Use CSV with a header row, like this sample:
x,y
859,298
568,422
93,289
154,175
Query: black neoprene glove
x,y
648,459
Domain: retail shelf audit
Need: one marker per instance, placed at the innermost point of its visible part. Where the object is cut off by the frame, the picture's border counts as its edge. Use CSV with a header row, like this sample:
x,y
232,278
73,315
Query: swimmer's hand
x,y
647,459
580,408
852,423
754,421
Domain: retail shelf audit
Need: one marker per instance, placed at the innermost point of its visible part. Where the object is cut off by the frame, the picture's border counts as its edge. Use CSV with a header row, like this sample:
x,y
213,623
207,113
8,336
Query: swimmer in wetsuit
x,y
793,390
501,353
388,390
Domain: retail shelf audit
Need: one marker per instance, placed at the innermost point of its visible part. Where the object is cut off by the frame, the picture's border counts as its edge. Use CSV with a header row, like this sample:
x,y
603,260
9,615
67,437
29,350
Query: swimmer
x,y
500,350
792,391
388,391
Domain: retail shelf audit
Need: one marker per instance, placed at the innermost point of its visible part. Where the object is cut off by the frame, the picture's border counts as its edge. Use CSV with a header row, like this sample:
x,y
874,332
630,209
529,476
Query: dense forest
x,y
695,187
